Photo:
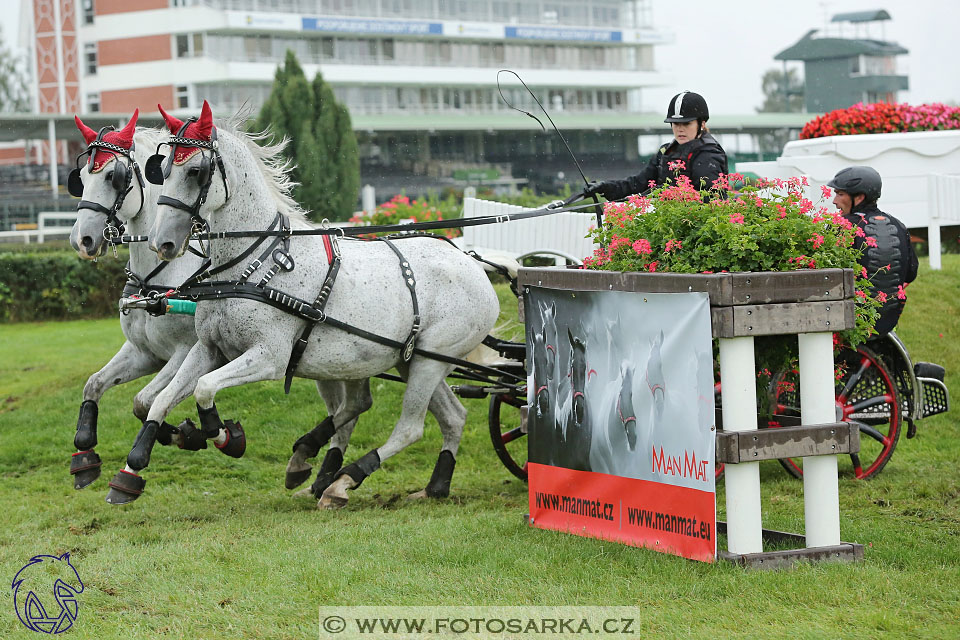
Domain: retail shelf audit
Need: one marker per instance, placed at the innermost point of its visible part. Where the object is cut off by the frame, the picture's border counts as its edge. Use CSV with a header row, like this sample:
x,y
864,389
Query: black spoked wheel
x,y
506,432
866,395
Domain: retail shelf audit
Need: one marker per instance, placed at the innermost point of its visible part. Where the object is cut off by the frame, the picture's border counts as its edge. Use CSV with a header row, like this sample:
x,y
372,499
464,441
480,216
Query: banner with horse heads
x,y
621,417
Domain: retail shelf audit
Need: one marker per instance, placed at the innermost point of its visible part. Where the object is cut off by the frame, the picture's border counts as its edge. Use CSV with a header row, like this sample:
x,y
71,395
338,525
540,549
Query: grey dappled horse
x,y
242,340
114,193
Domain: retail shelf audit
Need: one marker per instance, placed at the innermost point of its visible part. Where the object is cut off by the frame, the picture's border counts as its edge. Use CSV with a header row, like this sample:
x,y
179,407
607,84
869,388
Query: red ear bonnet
x,y
122,138
199,130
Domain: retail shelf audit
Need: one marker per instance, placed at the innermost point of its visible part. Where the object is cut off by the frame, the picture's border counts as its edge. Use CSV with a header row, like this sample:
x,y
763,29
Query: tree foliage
x,y
782,94
323,146
13,81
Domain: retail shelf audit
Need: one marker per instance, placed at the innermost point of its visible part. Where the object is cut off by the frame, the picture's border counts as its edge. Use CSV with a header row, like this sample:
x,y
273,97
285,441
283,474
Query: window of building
x,y
856,66
93,102
180,3
90,57
86,7
189,45
181,97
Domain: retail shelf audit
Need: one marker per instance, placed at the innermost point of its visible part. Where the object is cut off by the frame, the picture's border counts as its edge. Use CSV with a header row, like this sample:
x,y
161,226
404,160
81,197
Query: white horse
x,y
243,340
113,193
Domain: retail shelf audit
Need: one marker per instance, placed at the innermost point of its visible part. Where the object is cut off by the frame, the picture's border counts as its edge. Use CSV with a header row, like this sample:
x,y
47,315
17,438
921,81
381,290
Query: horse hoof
x,y
85,468
125,488
191,438
306,492
332,502
418,495
321,483
236,442
296,478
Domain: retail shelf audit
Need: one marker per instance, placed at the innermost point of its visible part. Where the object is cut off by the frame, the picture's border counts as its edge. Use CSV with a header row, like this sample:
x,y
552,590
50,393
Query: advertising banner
x,y
621,417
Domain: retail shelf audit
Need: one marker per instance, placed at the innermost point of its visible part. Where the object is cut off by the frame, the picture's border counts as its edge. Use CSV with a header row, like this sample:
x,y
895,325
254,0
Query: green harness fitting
x,y
182,307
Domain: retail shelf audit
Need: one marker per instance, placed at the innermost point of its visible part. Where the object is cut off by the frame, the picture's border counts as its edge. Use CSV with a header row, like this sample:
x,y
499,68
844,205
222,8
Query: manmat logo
x,y
673,465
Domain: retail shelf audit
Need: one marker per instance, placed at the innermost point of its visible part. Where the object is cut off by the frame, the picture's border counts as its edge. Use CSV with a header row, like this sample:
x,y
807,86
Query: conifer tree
x,y
323,146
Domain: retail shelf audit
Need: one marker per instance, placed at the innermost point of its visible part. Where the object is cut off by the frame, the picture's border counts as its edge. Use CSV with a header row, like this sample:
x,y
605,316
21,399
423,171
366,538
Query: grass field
x,y
217,548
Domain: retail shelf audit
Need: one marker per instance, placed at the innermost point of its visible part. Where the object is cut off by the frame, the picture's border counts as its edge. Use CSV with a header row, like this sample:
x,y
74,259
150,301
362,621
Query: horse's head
x,y
547,347
37,585
108,175
628,417
577,370
654,374
190,188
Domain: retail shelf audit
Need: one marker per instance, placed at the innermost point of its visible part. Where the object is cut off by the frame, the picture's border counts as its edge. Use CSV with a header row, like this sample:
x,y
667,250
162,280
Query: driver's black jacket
x,y
703,157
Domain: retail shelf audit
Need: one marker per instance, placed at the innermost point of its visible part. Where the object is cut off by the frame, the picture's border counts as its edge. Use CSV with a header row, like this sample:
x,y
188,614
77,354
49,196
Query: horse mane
x,y
272,164
151,137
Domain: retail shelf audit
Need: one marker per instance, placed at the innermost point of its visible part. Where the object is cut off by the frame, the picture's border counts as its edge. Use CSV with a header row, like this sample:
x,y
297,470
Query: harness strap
x,y
411,282
333,268
203,273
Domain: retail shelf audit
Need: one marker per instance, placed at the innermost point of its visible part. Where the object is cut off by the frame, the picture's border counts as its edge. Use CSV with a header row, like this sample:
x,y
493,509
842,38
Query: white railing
x,y
44,228
562,235
944,197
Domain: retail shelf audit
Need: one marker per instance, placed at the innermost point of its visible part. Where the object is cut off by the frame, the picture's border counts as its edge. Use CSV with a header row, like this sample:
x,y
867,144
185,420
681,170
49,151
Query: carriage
x,y
878,391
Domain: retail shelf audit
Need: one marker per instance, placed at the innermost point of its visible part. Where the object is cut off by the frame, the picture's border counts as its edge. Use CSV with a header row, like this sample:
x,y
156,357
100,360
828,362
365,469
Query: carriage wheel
x,y
866,395
509,441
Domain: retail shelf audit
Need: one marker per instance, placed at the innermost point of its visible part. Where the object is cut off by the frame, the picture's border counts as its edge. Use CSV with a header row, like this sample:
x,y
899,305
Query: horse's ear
x,y
205,124
127,132
89,135
173,124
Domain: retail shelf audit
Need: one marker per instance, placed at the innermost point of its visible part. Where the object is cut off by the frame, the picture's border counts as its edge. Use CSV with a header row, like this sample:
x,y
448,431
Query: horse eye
x,y
193,172
109,176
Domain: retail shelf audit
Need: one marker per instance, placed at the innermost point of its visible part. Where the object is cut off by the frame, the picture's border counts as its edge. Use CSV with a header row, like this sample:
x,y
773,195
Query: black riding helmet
x,y
858,180
687,107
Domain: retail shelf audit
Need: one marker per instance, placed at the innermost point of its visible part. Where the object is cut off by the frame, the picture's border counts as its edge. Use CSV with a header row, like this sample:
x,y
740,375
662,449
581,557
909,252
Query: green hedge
x,y
58,285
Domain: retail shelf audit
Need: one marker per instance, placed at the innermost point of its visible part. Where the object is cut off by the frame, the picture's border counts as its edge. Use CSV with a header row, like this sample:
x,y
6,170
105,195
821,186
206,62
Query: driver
x,y
702,156
888,258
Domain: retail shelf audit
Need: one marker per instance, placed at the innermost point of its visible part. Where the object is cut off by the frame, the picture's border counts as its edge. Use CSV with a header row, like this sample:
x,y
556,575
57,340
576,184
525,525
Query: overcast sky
x,y
722,47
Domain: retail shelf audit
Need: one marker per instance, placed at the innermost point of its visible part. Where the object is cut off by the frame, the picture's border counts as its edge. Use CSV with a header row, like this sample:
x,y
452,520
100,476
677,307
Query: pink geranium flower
x,y
736,218
642,247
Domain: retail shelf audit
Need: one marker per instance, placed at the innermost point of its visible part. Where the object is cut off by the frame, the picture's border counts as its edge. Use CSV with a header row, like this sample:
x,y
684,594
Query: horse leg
x,y
422,380
167,434
127,485
129,363
254,365
451,416
345,402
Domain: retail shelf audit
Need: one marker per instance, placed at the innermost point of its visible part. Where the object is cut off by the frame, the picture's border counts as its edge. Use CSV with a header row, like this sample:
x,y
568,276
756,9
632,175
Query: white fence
x,y
562,235
944,198
44,228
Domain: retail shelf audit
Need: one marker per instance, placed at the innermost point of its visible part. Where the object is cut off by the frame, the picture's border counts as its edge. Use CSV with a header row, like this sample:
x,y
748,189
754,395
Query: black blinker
x,y
203,176
120,175
75,184
153,169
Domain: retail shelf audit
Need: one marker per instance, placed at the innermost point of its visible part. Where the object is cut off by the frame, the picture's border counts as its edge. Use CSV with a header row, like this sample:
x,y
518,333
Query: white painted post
x,y
738,392
821,495
933,225
470,192
933,243
368,199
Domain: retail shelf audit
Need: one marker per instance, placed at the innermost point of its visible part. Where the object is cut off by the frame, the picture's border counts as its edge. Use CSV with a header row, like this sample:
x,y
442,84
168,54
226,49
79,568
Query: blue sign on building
x,y
559,33
359,25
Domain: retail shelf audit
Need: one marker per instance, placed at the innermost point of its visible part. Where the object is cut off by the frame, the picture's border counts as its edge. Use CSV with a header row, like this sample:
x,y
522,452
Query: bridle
x,y
121,181
158,168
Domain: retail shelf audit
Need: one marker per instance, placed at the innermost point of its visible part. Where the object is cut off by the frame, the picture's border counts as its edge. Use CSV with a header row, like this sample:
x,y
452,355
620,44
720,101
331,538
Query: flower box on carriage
x,y
740,306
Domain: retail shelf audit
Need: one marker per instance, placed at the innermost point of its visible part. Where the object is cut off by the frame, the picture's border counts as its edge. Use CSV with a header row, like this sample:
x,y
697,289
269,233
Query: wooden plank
x,y
782,318
733,447
765,287
725,289
843,552
591,280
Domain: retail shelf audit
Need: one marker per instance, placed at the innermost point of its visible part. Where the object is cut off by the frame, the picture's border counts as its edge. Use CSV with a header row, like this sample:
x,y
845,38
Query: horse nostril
x,y
87,242
167,248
